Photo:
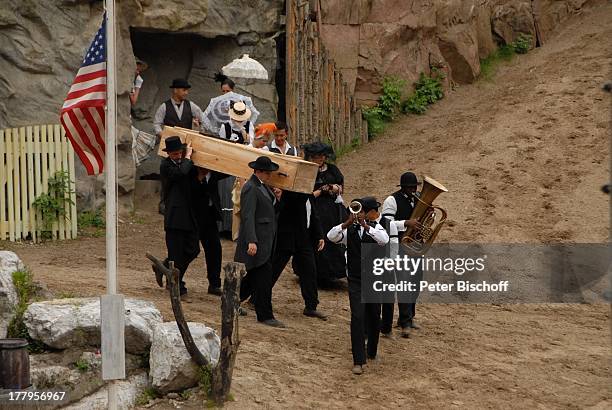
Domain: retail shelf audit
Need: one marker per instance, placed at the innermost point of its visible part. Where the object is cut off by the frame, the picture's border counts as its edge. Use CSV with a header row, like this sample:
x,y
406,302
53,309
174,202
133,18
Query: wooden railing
x,y
320,106
29,156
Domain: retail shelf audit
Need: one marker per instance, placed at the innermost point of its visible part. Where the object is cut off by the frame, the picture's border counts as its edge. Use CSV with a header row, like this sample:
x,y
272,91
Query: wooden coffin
x,y
294,174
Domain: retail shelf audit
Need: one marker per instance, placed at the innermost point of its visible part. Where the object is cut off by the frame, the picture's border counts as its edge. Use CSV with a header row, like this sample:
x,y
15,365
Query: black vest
x,y
353,250
171,119
404,206
229,131
292,151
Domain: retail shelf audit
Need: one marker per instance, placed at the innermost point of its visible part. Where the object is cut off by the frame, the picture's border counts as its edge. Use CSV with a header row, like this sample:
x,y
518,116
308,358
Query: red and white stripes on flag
x,y
82,114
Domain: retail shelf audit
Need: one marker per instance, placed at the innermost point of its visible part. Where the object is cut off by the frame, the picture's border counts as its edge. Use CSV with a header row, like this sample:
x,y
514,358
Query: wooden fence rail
x,y
29,156
319,103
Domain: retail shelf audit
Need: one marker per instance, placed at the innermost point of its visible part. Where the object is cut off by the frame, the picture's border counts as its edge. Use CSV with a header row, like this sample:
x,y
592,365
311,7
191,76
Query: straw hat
x,y
239,111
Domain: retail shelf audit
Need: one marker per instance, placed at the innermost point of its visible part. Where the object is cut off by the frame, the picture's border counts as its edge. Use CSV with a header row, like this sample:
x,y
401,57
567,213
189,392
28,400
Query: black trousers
x,y
407,311
304,262
365,321
183,248
211,243
258,283
406,314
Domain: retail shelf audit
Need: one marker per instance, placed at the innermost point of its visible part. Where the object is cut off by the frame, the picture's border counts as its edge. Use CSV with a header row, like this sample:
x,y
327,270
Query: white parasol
x,y
245,67
217,111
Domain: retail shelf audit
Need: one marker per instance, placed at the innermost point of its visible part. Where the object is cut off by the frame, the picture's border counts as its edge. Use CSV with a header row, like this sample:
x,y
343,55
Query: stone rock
x,y
343,43
511,19
64,323
42,45
458,42
551,13
127,393
9,263
247,39
171,368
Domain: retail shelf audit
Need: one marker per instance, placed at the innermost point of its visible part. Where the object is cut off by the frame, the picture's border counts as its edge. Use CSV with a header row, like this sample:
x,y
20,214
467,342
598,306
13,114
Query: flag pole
x,y
110,171
111,305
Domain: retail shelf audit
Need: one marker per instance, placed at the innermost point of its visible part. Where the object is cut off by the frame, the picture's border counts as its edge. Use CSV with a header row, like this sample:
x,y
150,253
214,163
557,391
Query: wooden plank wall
x,y
29,156
320,106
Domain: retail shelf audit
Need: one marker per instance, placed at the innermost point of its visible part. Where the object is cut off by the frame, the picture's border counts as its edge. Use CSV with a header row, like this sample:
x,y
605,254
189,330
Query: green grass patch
x,y
91,219
24,286
205,379
146,396
504,54
427,90
82,365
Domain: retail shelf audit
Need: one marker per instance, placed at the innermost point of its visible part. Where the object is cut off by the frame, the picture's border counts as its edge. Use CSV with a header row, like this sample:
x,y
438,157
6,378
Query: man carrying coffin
x,y
256,238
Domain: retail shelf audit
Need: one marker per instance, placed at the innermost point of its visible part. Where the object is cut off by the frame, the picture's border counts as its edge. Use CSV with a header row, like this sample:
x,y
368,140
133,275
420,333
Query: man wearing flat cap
x,y
396,212
178,111
256,238
180,221
358,230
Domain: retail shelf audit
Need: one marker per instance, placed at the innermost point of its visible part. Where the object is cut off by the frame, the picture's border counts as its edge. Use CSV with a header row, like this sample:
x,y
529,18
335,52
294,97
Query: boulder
x,y
171,367
9,263
511,19
127,393
64,323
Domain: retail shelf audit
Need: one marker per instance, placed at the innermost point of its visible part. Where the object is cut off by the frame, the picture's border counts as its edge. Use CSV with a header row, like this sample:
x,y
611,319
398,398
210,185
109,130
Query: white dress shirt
x,y
378,233
283,151
237,128
160,114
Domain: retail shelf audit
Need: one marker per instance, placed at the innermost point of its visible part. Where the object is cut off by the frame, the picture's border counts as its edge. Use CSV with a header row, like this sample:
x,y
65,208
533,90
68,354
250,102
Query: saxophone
x,y
418,240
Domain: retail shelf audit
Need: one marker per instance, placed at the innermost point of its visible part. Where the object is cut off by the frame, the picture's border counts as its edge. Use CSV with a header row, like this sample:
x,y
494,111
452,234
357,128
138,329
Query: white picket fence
x,y
29,156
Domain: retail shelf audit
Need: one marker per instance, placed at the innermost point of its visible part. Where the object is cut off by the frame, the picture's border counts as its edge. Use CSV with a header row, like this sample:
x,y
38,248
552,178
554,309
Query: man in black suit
x,y
397,210
207,205
298,229
256,238
179,217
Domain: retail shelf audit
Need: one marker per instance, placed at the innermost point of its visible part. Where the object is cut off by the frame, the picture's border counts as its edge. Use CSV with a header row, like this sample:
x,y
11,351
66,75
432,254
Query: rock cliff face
x,y
371,39
42,44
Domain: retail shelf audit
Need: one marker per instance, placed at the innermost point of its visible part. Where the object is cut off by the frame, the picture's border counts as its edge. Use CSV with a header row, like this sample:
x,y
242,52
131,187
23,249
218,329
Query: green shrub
x,y
24,286
522,44
391,98
82,365
205,379
93,219
427,90
52,204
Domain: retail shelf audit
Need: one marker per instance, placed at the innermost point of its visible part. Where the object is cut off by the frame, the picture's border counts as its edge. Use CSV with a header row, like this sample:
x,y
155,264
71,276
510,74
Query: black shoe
x,y
214,290
274,323
414,326
315,313
242,311
159,277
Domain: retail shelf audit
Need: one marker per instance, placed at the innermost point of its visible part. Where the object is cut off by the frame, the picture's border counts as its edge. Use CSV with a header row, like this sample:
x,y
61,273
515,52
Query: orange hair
x,y
265,128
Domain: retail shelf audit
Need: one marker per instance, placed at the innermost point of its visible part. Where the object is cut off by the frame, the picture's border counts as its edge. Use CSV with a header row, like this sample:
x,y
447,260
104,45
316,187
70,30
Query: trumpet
x,y
355,208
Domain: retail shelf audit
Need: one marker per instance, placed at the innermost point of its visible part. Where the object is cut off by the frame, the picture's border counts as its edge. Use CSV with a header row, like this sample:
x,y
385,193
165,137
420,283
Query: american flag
x,y
82,114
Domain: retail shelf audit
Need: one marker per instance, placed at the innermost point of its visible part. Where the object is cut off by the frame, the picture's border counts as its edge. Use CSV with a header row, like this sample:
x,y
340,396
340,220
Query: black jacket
x,y
176,188
202,192
293,230
258,222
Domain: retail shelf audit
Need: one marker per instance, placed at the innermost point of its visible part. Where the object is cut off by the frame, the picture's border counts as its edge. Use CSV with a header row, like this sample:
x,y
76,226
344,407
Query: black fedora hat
x,y
174,144
408,179
263,164
180,83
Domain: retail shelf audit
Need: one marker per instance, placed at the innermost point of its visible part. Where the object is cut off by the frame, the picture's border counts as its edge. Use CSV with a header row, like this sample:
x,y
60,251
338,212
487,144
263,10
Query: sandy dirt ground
x,y
524,157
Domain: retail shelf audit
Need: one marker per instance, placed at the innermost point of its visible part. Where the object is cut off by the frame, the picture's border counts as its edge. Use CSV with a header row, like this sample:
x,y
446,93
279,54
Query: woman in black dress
x,y
331,263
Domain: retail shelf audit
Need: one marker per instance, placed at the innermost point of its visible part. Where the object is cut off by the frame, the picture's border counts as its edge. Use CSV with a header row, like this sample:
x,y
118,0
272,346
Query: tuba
x,y
418,240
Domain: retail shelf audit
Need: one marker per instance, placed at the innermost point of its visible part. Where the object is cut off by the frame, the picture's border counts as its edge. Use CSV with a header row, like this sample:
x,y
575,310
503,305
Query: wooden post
x,y
172,276
230,337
